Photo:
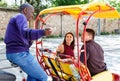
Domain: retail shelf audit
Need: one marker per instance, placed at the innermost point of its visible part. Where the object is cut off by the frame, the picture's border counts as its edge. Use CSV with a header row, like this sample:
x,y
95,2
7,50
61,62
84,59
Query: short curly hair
x,y
23,6
91,32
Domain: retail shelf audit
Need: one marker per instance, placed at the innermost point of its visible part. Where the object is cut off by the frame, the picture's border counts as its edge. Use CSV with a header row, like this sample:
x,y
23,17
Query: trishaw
x,y
50,61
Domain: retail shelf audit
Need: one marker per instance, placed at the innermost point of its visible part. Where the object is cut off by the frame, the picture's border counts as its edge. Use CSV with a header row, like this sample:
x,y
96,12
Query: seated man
x,y
94,53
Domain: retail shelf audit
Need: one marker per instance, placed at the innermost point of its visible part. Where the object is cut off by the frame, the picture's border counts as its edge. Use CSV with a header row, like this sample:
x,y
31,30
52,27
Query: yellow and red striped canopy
x,y
105,10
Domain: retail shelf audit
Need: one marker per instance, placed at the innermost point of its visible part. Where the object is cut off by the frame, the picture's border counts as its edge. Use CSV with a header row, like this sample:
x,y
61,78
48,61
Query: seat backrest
x,y
63,69
103,76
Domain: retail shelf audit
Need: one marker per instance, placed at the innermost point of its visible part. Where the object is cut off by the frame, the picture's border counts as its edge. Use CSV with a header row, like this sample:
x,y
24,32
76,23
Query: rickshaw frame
x,y
98,10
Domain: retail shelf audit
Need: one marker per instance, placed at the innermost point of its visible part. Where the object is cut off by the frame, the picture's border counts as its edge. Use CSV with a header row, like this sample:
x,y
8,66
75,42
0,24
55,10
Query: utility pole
x,y
61,25
98,32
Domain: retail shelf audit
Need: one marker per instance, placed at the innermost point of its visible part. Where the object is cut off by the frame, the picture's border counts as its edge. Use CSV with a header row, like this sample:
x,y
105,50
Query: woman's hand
x,y
67,60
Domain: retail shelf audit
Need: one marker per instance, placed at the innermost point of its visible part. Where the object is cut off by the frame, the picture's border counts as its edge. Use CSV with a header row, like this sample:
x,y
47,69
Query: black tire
x,y
5,76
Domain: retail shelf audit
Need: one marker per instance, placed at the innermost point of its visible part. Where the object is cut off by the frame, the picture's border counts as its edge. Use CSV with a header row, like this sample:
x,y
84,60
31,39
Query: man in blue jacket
x,y
18,39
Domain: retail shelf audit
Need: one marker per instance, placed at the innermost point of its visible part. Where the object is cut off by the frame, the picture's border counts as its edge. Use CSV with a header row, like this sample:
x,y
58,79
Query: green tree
x,y
3,4
115,4
66,2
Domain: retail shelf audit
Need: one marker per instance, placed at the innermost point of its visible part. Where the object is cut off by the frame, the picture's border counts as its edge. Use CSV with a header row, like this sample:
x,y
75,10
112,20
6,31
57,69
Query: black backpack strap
x,y
53,67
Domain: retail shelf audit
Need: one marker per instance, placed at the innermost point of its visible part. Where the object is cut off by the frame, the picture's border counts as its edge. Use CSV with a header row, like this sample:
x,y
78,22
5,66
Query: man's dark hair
x,y
91,32
23,6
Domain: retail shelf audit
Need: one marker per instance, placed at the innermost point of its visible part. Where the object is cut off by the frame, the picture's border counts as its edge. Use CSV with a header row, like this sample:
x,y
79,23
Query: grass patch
x,y
52,36
1,39
105,33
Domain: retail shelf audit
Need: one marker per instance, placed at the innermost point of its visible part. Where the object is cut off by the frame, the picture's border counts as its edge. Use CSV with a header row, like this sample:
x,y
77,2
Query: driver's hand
x,y
48,31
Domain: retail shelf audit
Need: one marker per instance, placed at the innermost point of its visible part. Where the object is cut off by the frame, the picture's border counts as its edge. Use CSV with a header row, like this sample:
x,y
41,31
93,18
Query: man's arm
x,y
31,34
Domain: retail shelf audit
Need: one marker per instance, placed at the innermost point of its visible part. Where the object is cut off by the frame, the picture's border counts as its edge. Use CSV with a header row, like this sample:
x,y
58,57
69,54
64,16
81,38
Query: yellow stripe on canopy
x,y
104,10
96,6
60,9
110,14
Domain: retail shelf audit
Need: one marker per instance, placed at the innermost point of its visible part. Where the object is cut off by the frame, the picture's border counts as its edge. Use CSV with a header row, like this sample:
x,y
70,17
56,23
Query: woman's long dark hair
x,y
73,42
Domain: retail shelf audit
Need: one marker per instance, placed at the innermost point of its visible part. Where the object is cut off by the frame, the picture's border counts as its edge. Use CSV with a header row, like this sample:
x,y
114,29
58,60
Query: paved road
x,y
110,44
5,65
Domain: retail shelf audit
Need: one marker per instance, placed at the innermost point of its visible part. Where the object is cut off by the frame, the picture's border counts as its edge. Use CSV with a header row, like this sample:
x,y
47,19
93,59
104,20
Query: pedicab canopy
x,y
104,10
